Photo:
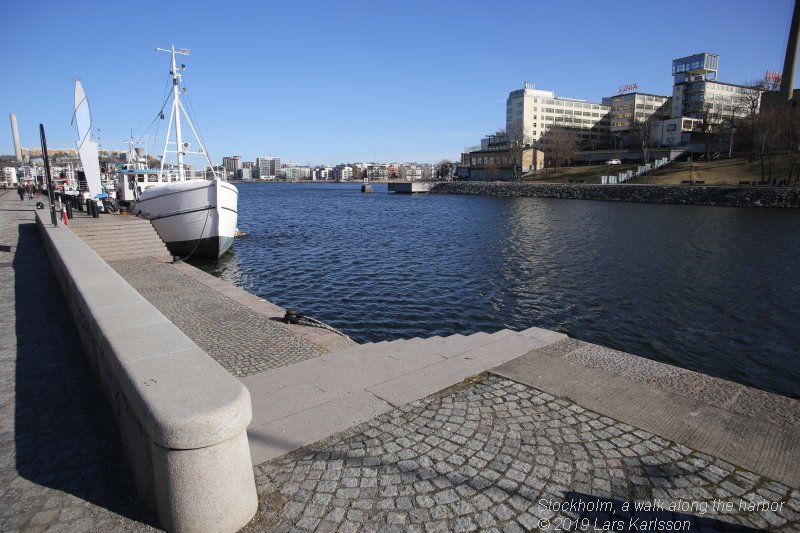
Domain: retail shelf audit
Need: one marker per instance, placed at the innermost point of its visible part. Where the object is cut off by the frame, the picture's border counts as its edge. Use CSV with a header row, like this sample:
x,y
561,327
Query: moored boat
x,y
194,214
195,218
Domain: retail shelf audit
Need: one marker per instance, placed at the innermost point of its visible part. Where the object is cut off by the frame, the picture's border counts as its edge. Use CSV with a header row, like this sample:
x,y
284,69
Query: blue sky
x,y
327,82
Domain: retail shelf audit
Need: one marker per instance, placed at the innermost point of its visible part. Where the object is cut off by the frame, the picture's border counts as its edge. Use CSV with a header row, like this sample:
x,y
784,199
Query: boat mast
x,y
176,110
175,114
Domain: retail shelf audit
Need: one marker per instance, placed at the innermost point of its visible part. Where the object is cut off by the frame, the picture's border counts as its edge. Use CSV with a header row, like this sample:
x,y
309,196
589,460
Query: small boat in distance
x,y
194,212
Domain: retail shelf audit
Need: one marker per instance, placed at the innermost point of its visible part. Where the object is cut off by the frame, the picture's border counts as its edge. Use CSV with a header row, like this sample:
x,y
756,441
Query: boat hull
x,y
195,218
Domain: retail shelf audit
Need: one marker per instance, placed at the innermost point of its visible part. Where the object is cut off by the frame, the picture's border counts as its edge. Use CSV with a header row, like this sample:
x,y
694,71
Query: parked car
x,y
613,162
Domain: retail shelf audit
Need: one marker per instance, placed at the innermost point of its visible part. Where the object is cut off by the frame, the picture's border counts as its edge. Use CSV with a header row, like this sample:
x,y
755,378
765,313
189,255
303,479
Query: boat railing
x,y
173,175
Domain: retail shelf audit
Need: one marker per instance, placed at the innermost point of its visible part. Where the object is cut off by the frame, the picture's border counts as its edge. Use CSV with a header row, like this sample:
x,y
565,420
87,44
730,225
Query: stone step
x,y
137,233
114,255
301,403
103,233
116,239
127,245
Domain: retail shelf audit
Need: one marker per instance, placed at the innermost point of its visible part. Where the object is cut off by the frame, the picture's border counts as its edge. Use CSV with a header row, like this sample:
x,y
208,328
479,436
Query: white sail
x,y
87,148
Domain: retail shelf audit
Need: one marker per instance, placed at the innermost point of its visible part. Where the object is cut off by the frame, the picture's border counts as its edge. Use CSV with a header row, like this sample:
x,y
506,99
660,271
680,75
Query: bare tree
x,y
516,143
710,120
748,102
444,169
560,145
643,130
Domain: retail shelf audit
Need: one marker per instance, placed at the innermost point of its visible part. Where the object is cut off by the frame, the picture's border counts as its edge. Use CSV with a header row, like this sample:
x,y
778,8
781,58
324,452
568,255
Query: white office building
x,y
535,112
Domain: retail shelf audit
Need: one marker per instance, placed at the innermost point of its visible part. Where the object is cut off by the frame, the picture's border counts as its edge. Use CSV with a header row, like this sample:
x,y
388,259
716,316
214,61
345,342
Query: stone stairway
x,y
116,237
299,404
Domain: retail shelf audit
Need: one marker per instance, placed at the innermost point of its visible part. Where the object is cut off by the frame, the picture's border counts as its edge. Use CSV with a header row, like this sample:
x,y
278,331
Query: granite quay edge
x,y
184,439
785,197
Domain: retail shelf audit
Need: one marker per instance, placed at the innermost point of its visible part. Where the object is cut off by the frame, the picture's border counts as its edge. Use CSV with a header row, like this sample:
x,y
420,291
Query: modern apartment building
x,y
323,173
267,167
232,164
343,173
378,171
535,112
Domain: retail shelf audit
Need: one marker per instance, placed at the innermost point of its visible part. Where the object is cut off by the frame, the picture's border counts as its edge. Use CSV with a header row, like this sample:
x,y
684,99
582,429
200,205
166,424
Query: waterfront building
x,y
9,176
496,163
531,113
627,109
294,173
377,171
411,172
268,167
343,173
698,96
323,173
232,164
244,174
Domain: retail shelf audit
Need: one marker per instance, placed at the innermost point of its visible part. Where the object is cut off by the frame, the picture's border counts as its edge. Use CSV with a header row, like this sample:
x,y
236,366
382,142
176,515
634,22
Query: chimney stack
x,y
15,134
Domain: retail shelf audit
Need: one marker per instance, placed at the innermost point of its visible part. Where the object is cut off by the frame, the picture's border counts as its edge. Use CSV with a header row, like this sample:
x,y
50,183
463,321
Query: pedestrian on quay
x,y
30,191
21,192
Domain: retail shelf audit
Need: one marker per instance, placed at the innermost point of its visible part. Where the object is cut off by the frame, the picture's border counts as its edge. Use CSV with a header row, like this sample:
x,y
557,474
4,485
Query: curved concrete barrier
x,y
183,418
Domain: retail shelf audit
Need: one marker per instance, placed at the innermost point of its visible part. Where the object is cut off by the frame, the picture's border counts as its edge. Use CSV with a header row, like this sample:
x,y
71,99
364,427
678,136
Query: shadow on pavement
x,y
66,437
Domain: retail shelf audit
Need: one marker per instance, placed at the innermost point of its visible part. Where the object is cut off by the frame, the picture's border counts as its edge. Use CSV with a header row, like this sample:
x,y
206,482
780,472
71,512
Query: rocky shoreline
x,y
787,197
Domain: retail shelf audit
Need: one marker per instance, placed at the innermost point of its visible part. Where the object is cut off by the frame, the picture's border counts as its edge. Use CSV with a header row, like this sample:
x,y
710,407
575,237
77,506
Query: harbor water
x,y
710,289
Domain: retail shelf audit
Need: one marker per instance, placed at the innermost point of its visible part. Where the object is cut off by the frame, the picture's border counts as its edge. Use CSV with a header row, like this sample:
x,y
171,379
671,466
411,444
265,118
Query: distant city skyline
x,y
355,81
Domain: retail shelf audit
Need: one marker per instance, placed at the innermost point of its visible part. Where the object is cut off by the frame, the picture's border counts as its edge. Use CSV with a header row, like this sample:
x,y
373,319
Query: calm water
x,y
706,288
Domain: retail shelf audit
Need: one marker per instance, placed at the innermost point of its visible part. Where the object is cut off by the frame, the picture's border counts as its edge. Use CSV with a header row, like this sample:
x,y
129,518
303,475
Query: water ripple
x,y
710,289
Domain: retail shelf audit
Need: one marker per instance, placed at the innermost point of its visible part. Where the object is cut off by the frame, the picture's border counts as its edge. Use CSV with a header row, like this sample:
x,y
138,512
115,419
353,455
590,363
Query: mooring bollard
x,y
69,209
95,210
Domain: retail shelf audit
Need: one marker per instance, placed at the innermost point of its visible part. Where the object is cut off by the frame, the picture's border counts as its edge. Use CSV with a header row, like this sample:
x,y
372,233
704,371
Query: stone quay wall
x,y
181,416
656,194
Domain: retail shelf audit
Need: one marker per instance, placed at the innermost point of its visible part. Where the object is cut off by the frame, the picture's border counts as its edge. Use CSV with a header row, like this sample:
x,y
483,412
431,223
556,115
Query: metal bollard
x,y
95,211
69,209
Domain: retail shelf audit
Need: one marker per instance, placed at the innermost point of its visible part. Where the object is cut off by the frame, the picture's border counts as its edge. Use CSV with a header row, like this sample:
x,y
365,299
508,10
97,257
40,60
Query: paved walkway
x,y
61,467
496,455
241,340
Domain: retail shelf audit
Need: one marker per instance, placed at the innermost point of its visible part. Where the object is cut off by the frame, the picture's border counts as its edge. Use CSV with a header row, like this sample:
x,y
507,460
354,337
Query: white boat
x,y
195,214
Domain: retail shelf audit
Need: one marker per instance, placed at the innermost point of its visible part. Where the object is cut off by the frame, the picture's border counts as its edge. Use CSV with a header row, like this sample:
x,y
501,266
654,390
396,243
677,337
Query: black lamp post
x,y
53,218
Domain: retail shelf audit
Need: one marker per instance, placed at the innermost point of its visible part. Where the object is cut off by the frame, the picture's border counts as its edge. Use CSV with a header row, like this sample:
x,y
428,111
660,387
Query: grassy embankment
x,y
722,172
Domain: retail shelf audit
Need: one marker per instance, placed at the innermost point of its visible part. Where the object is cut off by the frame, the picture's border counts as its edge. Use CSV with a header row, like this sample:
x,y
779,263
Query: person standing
x,y
21,191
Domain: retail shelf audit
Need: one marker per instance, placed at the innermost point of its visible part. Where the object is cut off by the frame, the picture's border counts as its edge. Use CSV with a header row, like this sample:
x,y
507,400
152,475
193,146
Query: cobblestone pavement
x,y
61,467
494,455
242,341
